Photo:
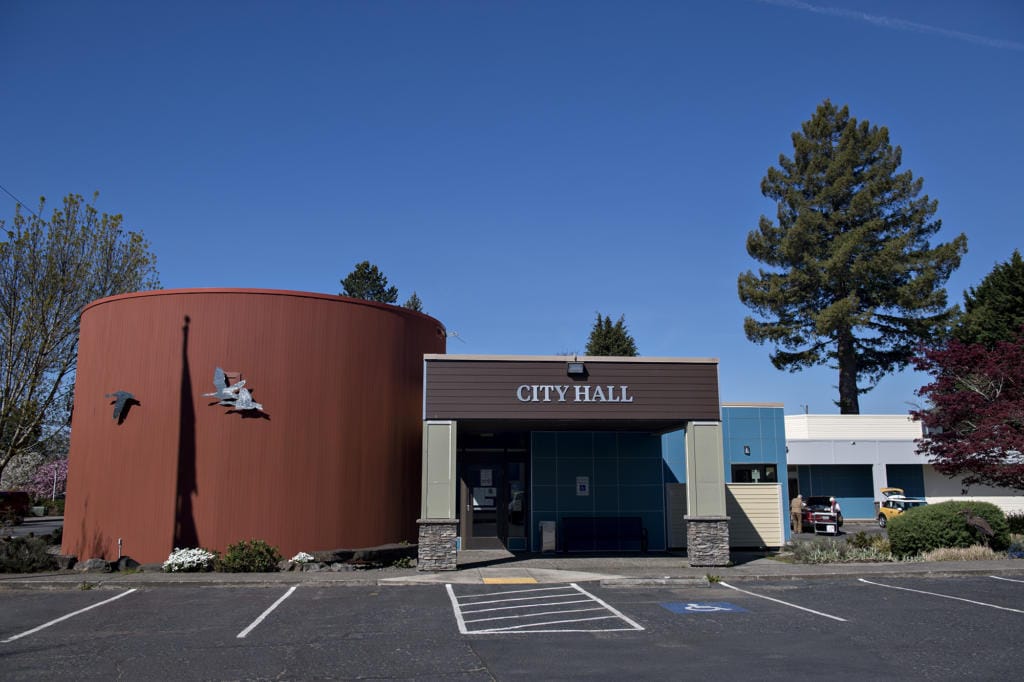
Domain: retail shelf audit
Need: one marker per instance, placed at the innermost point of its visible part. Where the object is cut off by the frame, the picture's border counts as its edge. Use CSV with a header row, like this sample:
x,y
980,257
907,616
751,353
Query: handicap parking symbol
x,y
703,607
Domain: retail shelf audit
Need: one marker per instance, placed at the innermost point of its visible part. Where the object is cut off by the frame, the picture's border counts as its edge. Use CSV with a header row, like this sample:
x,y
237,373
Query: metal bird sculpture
x,y
122,401
978,522
245,401
224,393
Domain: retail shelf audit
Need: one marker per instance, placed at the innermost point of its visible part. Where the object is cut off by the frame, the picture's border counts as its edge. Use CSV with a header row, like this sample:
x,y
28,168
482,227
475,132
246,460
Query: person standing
x,y
796,514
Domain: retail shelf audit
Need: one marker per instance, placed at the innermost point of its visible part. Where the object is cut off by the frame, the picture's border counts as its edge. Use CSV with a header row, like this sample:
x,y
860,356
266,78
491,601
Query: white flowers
x,y
302,558
189,560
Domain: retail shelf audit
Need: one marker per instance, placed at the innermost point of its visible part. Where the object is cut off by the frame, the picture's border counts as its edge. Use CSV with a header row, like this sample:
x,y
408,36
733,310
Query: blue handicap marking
x,y
702,607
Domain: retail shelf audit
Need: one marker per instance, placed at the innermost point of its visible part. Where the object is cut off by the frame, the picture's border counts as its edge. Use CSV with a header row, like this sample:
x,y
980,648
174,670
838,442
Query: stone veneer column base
x,y
707,540
436,550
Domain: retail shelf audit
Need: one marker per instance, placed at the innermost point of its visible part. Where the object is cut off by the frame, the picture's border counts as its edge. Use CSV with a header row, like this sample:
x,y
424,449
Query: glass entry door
x,y
493,490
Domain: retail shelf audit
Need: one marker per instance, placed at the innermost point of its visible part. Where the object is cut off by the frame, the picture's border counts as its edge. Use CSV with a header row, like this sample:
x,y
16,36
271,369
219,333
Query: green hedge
x,y
25,555
934,526
1016,522
252,556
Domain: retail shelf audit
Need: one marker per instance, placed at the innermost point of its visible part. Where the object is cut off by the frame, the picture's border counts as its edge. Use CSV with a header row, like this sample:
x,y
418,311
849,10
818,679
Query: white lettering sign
x,y
581,393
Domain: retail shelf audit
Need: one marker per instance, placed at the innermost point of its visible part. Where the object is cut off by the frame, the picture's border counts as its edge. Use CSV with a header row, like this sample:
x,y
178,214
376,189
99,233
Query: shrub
x,y
1015,521
830,551
249,556
190,560
934,526
972,553
1016,548
25,555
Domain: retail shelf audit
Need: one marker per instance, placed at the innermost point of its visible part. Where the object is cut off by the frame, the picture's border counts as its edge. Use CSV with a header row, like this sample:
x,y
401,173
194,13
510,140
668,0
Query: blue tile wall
x,y
626,471
763,429
850,484
910,477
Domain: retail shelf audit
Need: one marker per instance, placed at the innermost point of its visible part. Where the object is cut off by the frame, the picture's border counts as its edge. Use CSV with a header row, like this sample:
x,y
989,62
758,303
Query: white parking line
x,y
551,598
63,618
944,596
785,603
1009,580
266,613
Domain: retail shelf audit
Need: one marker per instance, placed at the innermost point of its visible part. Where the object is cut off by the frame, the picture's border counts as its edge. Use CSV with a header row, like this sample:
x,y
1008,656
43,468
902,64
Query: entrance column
x,y
438,524
707,526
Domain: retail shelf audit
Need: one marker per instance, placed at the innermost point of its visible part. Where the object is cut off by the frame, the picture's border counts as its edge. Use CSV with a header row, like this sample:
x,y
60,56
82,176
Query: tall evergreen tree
x,y
854,281
611,339
994,311
414,303
368,283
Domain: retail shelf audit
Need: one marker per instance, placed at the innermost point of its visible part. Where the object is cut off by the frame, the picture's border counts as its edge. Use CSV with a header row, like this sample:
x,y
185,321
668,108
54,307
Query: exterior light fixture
x,y
575,369
746,450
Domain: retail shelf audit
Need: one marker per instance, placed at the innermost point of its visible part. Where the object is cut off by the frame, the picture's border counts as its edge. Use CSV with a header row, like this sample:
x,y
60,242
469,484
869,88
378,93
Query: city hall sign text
x,y
579,393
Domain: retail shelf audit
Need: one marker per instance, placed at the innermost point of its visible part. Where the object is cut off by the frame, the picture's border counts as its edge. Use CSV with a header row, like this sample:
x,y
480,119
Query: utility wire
x,y
8,193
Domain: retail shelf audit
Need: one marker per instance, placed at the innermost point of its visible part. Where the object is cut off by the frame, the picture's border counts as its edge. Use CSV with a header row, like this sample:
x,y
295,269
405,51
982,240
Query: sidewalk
x,y
481,567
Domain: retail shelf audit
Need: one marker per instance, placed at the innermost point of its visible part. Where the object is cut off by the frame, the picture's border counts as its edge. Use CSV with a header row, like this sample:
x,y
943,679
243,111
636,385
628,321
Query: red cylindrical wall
x,y
334,460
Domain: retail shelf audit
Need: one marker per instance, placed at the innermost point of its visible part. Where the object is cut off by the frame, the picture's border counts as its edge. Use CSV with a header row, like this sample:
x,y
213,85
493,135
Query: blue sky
x,y
520,165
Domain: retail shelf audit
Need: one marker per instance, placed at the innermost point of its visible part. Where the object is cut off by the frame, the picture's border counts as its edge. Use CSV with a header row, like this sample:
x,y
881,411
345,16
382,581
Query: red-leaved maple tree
x,y
974,426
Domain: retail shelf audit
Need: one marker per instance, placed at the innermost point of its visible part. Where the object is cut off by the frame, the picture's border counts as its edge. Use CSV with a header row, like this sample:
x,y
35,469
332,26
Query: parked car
x,y
894,504
818,503
15,505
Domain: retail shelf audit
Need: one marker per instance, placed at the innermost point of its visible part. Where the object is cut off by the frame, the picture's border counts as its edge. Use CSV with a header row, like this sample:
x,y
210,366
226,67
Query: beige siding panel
x,y
754,510
755,514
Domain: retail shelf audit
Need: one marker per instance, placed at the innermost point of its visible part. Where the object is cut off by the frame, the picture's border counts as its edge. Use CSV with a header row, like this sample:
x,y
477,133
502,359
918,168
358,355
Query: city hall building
x,y
593,454
203,417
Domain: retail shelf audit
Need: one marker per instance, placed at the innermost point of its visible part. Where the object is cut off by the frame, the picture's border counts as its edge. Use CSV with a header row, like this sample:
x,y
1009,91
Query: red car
x,y
818,503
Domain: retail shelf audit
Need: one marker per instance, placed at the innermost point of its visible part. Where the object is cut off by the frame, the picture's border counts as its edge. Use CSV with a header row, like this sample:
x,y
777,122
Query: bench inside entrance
x,y
603,534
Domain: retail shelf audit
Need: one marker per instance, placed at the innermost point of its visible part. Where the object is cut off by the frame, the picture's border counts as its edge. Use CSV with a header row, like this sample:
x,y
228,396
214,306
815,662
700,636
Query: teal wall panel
x,y
625,471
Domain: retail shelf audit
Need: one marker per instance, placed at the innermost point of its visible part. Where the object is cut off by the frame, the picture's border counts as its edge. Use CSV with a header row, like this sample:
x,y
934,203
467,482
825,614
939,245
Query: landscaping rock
x,y
334,556
126,563
381,555
65,562
93,566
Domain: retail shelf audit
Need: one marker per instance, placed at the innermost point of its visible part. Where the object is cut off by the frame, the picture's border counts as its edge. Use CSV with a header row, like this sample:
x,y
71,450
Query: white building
x,y
852,457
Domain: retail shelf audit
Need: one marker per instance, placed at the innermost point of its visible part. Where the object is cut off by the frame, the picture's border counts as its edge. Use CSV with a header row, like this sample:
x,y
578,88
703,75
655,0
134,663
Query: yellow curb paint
x,y
509,581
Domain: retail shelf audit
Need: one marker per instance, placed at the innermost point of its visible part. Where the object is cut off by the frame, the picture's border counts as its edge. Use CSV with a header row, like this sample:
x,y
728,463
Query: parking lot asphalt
x,y
951,628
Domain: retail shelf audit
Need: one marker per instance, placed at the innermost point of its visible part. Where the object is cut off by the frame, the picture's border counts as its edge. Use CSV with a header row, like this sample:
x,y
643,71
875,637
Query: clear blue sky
x,y
520,165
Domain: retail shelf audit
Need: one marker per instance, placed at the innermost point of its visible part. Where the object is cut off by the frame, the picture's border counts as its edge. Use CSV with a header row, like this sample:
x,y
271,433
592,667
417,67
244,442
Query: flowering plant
x,y
189,560
302,558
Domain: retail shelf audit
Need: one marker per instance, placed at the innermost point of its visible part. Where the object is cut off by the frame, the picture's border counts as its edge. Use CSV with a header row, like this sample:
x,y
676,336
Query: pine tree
x,y
414,303
995,309
611,339
368,283
853,280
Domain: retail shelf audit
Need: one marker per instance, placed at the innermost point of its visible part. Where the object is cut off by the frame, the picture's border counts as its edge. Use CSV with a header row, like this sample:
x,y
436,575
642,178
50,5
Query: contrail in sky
x,y
898,24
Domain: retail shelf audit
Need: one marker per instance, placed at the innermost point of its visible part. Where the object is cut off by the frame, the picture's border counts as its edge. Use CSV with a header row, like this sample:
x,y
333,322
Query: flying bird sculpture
x,y
122,401
235,396
224,393
245,401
